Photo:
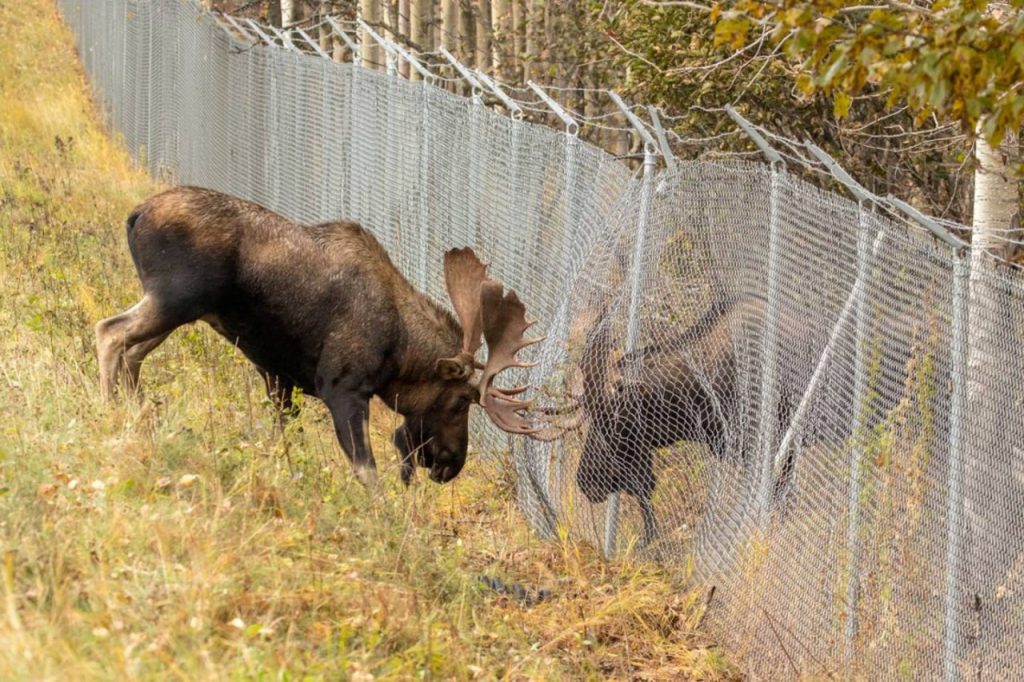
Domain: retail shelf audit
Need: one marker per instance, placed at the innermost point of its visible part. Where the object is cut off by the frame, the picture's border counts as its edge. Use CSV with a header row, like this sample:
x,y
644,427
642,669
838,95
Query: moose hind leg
x,y
144,322
134,356
110,348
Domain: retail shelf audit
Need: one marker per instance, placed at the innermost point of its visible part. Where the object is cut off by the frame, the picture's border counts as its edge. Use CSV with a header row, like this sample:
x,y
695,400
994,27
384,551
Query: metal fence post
x,y
513,206
558,331
424,185
769,375
651,147
859,422
951,636
611,519
952,639
768,400
532,497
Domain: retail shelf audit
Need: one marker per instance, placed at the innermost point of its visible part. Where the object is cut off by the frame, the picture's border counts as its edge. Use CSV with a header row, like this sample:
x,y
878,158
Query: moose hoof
x,y
368,477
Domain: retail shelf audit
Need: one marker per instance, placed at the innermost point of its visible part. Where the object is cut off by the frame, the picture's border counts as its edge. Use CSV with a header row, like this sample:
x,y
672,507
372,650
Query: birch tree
x,y
369,11
482,17
450,25
289,9
420,32
467,33
504,38
534,39
518,36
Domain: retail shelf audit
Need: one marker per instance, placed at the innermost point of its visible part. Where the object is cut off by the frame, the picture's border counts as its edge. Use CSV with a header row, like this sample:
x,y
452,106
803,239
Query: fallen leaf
x,y
46,490
187,481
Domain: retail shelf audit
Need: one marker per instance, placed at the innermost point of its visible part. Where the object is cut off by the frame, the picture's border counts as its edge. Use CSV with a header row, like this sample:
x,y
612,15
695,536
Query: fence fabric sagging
x,y
758,383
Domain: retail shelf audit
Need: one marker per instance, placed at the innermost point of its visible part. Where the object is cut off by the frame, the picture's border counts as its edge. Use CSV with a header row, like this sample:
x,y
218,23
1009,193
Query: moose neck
x,y
430,333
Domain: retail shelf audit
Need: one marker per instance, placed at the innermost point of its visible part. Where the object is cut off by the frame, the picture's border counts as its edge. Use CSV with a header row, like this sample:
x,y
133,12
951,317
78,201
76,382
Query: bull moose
x,y
672,401
324,309
682,388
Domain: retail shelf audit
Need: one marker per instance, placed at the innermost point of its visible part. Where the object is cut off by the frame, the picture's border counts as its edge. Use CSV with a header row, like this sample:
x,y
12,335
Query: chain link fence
x,y
796,398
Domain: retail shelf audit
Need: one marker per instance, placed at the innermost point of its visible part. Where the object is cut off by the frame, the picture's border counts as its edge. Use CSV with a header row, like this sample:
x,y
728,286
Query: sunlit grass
x,y
188,537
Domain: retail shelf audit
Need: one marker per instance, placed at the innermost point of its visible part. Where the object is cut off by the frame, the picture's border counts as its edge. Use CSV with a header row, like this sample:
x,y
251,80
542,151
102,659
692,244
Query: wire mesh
x,y
754,381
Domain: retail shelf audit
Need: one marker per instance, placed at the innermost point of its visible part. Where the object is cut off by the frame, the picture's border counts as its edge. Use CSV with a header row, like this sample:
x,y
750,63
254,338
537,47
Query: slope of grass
x,y
188,537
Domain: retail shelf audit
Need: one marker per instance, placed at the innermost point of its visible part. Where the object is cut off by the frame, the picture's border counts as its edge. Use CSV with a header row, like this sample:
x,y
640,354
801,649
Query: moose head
x,y
436,436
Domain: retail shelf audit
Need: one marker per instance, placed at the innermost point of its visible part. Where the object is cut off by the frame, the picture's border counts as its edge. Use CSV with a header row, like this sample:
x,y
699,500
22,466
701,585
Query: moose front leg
x,y
408,452
351,413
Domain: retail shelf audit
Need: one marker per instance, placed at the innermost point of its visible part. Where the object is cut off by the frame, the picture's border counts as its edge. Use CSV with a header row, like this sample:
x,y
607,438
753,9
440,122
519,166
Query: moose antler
x,y
463,276
504,323
565,416
483,307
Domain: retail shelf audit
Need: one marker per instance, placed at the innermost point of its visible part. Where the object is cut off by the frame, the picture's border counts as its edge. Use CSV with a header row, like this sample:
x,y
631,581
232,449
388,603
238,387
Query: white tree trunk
x,y
532,66
450,25
324,32
369,11
449,32
402,34
988,464
288,12
482,14
519,38
467,33
996,196
504,44
419,31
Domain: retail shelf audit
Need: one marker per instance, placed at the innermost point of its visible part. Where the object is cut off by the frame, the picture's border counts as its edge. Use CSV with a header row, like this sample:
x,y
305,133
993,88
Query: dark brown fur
x,y
319,307
671,401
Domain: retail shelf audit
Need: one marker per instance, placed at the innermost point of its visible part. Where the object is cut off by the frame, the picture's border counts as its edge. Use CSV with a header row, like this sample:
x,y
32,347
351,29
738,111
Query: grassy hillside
x,y
187,537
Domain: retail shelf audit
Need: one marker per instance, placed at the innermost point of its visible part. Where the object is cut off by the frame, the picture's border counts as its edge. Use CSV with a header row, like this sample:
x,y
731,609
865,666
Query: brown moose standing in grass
x,y
324,309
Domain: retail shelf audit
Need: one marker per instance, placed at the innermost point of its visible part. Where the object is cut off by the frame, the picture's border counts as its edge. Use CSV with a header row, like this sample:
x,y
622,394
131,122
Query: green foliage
x,y
692,61
960,59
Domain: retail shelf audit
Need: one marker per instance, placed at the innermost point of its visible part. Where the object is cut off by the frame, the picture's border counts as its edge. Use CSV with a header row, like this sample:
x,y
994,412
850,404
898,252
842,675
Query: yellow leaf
x,y
841,104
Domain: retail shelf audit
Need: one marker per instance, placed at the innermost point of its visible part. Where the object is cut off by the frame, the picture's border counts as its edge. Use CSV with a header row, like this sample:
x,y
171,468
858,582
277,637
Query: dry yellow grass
x,y
188,538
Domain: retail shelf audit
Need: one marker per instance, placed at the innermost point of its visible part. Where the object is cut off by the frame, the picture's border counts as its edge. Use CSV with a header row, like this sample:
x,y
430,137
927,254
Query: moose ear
x,y
451,369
